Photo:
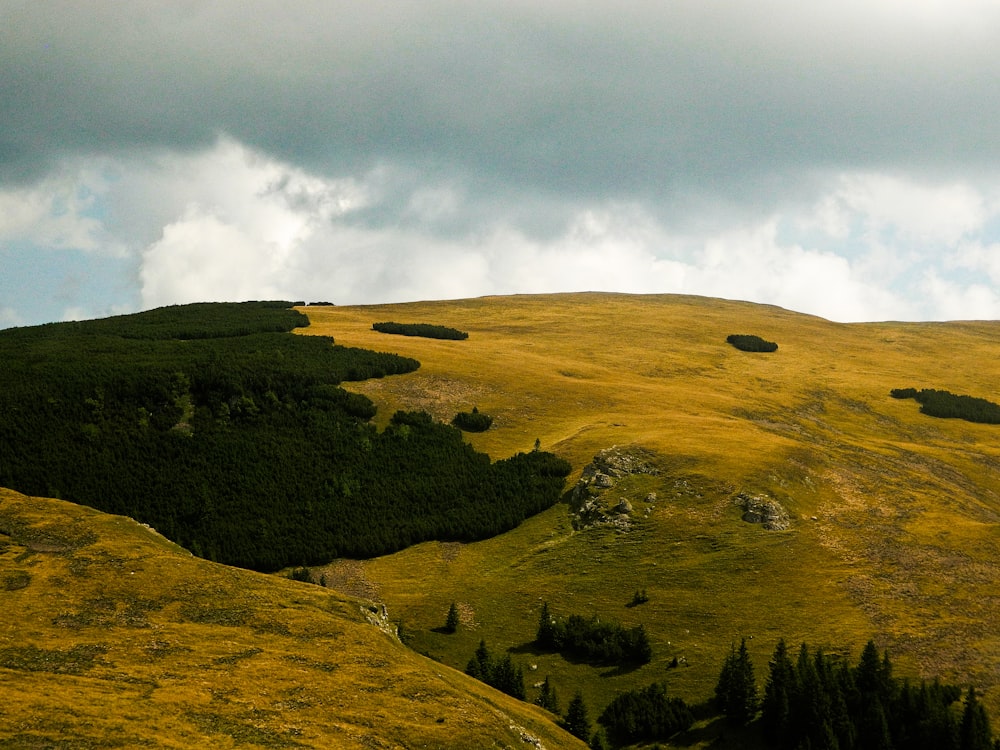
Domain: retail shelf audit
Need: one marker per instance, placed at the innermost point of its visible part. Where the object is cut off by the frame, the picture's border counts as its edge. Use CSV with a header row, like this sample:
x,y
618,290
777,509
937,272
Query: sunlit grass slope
x,y
895,515
110,636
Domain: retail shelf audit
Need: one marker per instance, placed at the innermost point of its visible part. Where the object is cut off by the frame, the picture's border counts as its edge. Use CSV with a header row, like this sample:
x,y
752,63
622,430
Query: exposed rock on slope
x,y
587,501
764,510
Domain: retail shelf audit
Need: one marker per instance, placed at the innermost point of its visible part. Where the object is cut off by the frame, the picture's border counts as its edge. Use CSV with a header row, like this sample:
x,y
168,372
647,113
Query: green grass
x,y
895,515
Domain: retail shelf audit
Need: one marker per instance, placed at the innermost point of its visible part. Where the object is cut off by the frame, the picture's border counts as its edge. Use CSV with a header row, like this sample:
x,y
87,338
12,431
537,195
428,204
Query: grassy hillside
x,y
895,516
110,636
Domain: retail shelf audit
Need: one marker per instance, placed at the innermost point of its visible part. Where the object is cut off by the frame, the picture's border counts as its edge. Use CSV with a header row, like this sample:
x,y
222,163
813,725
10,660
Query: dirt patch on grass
x,y
348,576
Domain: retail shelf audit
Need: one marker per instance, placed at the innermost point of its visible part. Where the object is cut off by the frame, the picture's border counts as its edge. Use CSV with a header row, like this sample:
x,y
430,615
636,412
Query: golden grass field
x,y
896,516
112,637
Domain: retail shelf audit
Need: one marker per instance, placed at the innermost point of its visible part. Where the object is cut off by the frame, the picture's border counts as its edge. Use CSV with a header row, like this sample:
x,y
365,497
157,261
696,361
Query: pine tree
x,y
546,636
508,678
480,665
778,692
547,697
577,722
736,690
975,731
451,622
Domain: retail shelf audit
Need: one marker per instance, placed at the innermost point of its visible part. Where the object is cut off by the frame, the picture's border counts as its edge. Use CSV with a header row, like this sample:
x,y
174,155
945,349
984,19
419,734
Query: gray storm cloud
x,y
840,158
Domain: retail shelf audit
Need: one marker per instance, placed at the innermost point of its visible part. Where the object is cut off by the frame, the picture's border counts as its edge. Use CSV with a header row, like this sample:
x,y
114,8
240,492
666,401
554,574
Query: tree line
x,y
232,437
816,700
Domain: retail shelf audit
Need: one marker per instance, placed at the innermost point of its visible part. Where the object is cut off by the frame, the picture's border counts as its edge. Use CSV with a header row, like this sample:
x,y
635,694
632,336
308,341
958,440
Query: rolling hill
x,y
889,530
113,637
894,530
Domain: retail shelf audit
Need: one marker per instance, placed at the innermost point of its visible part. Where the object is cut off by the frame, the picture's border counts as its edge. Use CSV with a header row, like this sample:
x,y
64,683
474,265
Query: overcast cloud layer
x,y
841,159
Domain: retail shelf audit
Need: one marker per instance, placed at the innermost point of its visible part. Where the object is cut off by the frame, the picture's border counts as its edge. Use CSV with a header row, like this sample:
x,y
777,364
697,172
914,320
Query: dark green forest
x,y
822,701
426,330
229,435
947,405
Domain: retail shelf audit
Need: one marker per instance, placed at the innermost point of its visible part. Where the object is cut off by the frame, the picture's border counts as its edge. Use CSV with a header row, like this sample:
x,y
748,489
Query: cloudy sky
x,y
836,158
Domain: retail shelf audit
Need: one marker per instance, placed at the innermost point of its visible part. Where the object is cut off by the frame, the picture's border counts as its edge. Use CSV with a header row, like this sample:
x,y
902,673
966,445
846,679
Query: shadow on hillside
x,y
713,731
620,669
616,670
530,647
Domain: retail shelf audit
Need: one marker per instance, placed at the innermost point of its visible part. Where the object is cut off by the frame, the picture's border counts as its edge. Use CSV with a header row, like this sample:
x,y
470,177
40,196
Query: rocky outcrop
x,y
764,510
588,502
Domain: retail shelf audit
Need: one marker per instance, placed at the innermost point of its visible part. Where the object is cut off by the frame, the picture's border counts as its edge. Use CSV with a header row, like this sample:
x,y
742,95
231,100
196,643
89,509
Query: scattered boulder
x,y
764,510
603,481
624,506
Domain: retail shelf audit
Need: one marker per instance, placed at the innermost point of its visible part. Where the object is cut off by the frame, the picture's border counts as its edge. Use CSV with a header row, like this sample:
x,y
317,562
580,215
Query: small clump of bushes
x,y
474,421
425,330
749,343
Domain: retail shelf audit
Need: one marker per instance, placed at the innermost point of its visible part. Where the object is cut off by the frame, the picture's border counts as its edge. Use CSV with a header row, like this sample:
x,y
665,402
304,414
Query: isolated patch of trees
x,y
646,714
948,405
750,343
592,639
231,437
498,672
426,330
472,421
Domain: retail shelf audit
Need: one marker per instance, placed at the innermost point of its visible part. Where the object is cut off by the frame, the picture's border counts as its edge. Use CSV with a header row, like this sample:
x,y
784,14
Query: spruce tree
x,y
546,635
778,691
547,697
507,677
975,731
577,722
480,665
451,622
736,690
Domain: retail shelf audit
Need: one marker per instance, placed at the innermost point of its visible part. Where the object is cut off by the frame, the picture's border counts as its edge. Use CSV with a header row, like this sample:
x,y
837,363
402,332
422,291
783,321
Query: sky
x,y
835,158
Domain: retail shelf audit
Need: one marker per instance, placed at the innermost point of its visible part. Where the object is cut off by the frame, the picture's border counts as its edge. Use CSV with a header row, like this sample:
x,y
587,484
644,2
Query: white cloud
x,y
228,223
979,258
903,208
54,213
956,301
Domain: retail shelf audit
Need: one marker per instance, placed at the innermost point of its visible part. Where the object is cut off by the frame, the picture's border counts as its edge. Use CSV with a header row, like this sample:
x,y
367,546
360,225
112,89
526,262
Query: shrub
x,y
750,343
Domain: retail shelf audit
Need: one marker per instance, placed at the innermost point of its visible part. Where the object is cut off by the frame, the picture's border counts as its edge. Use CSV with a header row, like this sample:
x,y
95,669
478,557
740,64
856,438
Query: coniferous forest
x,y
229,435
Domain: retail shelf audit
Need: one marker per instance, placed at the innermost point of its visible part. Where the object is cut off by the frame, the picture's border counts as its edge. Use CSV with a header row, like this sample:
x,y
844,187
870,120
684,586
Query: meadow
x,y
894,515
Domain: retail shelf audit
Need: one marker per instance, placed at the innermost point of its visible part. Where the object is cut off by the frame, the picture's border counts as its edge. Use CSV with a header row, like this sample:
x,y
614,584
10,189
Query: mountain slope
x,y
894,516
111,636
